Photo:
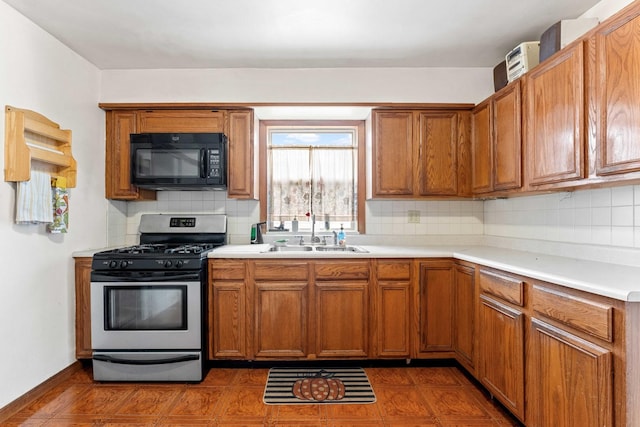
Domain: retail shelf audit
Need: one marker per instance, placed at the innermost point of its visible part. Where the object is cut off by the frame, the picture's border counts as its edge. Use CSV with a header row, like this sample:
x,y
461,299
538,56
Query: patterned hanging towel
x,y
60,195
33,199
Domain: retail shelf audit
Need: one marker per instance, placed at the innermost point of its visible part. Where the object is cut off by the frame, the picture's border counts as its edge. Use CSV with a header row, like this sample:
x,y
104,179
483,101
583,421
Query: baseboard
x,y
26,399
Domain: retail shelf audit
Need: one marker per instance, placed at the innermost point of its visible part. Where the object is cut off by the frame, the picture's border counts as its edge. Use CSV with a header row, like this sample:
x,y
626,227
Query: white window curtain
x,y
317,180
333,185
290,184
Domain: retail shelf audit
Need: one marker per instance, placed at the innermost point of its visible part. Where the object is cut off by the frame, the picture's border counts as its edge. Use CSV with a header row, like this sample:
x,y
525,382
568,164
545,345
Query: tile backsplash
x,y
601,224
386,221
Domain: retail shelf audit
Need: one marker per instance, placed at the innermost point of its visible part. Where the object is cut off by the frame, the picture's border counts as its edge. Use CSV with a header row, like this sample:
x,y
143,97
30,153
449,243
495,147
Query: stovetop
x,y
153,249
153,257
167,243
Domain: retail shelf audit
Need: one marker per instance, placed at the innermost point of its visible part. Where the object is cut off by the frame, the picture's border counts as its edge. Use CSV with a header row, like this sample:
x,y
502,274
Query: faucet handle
x,y
301,242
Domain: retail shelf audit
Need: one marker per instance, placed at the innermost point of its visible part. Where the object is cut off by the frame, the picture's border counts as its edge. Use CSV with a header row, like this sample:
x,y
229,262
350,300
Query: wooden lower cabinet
x,y
436,307
83,307
228,304
341,308
552,356
391,309
280,319
342,319
464,311
571,380
501,353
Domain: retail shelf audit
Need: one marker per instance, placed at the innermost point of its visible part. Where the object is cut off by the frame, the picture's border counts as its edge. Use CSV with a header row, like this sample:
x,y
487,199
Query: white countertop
x,y
611,280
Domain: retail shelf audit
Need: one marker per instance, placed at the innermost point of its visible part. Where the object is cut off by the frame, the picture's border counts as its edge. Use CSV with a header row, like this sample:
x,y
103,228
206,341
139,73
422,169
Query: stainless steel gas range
x,y
148,301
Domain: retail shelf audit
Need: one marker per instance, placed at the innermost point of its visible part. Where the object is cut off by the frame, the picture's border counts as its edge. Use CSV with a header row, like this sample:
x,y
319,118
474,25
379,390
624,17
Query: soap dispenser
x,y
342,237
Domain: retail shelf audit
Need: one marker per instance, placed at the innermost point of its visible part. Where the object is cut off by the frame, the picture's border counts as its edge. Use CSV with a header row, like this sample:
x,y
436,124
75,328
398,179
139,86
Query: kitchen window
x,y
314,167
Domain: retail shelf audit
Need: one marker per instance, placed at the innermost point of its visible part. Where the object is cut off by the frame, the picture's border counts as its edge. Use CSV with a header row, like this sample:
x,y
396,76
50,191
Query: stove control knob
x,y
124,264
179,263
113,264
167,264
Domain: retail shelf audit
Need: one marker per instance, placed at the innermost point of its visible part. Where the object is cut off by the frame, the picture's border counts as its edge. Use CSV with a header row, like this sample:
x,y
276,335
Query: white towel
x,y
33,199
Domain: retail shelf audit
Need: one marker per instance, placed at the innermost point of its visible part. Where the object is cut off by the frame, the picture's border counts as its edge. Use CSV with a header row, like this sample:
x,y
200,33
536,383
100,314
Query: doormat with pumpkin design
x,y
290,386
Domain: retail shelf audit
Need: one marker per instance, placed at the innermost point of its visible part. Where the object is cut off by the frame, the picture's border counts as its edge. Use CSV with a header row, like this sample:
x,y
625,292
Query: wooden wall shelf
x,y
31,136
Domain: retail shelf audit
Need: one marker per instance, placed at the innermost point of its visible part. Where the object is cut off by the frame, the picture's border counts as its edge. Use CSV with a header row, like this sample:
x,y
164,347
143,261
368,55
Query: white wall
x,y
332,85
36,289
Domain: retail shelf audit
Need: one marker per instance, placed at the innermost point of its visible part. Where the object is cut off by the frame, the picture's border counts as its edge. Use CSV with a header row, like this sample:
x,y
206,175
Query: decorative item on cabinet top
x,y
31,136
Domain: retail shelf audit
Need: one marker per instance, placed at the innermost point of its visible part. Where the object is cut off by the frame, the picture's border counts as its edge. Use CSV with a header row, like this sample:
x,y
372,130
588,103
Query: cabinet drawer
x,y
394,270
507,288
285,270
227,270
590,317
342,270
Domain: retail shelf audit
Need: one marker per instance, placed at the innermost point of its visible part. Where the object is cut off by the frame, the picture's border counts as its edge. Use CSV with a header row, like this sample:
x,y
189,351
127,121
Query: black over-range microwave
x,y
179,161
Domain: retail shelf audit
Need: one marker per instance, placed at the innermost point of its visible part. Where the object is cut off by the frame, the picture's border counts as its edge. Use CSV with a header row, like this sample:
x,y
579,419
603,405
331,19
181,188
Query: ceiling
x,y
146,34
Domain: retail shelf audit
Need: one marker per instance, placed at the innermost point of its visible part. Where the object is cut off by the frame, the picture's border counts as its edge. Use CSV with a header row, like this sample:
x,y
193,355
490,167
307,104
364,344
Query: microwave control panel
x,y
215,164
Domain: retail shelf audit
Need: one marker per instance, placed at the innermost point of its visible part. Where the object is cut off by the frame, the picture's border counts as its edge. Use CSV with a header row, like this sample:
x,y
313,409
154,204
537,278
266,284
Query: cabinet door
x,y
436,307
437,153
241,165
228,319
618,96
507,138
570,381
464,315
180,121
501,353
391,309
83,308
393,153
555,119
393,318
341,309
119,125
281,319
481,149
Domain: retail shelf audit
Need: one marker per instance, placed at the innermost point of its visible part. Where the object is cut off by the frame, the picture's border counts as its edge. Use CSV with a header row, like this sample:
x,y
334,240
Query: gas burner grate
x,y
143,249
190,249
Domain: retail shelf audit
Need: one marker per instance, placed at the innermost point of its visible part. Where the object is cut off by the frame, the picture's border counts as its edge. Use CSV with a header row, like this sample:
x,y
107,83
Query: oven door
x,y
146,316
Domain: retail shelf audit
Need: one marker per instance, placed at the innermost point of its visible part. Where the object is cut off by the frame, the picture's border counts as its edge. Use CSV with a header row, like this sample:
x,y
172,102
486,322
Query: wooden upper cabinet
x,y
618,95
482,148
180,121
236,124
119,125
437,153
417,153
394,153
241,155
554,119
496,142
507,138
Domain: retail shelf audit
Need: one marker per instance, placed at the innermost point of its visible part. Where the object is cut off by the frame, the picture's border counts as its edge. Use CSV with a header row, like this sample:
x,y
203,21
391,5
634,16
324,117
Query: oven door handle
x,y
101,277
109,359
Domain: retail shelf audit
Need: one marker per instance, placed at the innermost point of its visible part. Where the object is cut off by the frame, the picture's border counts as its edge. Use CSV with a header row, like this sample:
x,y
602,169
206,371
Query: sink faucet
x,y
314,238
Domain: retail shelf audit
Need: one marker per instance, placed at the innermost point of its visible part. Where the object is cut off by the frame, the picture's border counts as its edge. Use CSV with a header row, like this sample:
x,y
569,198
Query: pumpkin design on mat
x,y
319,387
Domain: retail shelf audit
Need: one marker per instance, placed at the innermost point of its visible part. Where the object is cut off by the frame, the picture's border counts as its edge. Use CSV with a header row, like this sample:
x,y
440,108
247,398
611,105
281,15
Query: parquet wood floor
x,y
438,396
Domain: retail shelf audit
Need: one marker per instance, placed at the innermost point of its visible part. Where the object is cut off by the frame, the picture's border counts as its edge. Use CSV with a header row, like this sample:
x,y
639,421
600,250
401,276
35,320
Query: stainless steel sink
x,y
310,248
355,249
276,248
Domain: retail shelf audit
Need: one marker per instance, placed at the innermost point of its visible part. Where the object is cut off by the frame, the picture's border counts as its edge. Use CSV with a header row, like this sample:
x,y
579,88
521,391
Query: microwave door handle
x,y
110,359
204,163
